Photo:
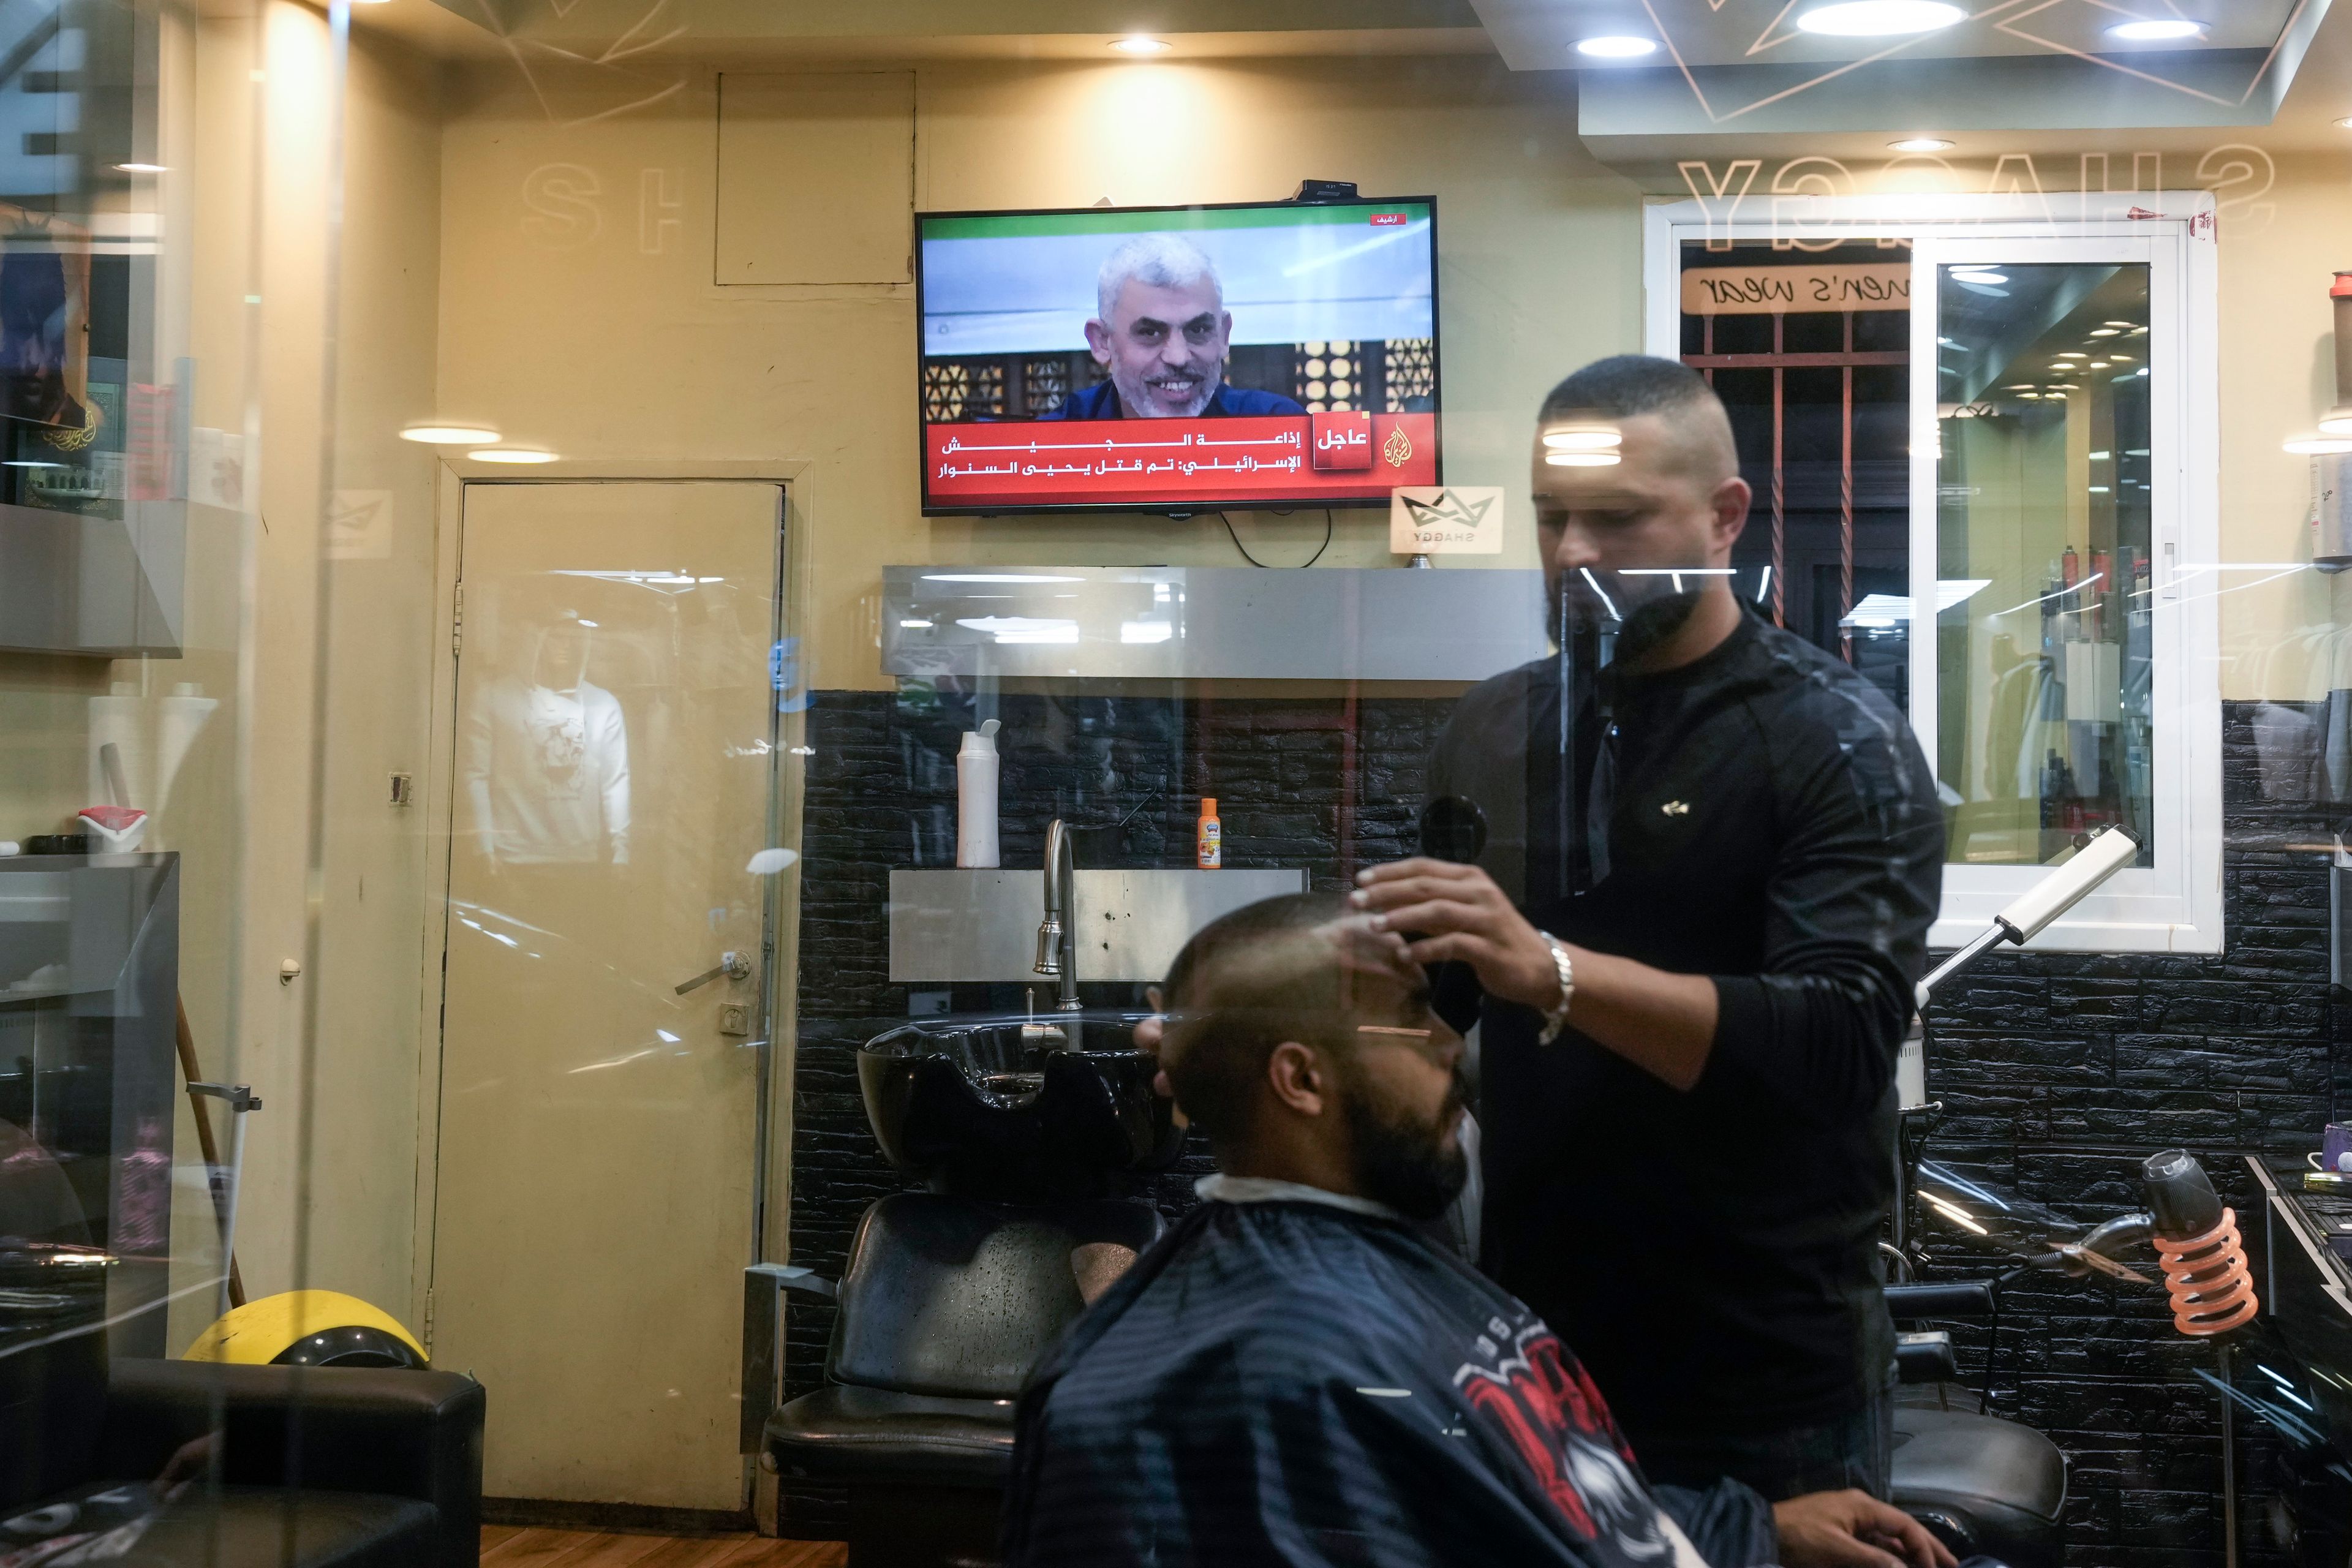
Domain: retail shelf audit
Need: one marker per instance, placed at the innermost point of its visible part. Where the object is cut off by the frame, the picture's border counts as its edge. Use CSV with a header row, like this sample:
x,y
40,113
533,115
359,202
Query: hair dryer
x,y
2196,1240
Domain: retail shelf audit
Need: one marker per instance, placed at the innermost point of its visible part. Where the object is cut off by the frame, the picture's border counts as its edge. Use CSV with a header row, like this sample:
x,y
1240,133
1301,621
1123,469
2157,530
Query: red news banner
x,y
1313,458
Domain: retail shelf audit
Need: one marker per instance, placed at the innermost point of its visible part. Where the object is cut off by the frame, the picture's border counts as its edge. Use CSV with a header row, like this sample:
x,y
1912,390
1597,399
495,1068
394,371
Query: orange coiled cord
x,y
2211,1288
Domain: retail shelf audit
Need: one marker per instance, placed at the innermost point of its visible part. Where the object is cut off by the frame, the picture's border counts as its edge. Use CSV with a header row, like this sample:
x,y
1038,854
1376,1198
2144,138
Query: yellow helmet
x,y
308,1327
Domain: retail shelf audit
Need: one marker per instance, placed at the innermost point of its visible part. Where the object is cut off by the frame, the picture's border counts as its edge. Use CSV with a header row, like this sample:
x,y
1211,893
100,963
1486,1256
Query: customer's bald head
x,y
1305,967
1300,1040
1245,984
1682,426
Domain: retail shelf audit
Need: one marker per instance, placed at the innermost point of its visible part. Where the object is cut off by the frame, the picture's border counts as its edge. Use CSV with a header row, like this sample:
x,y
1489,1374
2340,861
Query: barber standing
x,y
1725,850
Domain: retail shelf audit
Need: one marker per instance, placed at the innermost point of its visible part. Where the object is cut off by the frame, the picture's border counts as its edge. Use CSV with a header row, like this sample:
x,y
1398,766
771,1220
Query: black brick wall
x,y
2058,1072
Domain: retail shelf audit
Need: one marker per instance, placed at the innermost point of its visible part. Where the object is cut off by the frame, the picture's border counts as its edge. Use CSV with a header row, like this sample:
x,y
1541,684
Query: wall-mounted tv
x,y
1271,354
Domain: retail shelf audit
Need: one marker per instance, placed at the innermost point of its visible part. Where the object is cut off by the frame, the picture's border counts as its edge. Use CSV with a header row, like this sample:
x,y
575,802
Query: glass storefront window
x,y
528,531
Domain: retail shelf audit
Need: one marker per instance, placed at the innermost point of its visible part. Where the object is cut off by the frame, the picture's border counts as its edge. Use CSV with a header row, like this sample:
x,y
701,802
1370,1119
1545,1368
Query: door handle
x,y
733,965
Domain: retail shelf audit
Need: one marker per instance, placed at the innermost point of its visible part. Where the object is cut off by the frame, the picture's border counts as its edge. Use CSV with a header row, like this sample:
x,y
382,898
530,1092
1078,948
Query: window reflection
x,y
2042,486
547,757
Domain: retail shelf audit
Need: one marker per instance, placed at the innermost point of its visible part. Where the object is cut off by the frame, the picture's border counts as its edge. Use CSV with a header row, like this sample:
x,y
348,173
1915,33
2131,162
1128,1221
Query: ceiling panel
x,y
1540,34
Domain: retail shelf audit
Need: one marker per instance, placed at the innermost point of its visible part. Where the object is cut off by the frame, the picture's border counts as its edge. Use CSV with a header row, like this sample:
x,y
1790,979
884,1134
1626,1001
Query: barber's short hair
x,y
1162,260
1624,385
1243,984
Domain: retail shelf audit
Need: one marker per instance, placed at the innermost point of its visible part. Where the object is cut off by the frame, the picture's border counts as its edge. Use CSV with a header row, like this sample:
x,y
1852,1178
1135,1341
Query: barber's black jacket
x,y
1766,819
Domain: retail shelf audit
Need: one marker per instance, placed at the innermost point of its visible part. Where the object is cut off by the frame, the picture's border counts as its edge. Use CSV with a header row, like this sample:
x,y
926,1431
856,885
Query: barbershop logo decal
x,y
1526,1380
1448,520
1793,203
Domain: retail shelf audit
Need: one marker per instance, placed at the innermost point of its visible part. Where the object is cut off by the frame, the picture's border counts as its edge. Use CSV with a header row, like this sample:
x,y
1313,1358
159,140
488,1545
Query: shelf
x,y
1335,623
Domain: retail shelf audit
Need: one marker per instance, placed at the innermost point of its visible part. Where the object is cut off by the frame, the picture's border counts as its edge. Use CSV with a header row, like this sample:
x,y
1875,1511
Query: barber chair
x,y
1985,1487
1028,1133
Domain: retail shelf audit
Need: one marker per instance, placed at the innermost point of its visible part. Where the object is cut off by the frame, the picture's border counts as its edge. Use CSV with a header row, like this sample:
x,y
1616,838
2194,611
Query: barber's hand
x,y
1456,912
1853,1529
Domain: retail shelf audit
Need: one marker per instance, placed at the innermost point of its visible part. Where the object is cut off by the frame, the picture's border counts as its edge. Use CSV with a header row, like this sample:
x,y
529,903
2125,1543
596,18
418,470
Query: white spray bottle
x,y
976,798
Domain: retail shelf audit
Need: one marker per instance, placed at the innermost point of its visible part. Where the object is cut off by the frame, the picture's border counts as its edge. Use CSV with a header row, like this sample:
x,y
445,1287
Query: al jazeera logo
x,y
1398,448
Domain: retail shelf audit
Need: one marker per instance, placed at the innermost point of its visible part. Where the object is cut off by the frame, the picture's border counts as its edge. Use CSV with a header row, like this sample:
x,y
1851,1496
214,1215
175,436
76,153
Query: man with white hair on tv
x,y
1161,330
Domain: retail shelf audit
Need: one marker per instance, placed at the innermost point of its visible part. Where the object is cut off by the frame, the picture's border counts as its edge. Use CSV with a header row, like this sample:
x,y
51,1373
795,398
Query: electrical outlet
x,y
734,1018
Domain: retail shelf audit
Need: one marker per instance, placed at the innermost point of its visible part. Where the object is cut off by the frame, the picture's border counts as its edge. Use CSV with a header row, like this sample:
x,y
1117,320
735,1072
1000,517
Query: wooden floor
x,y
504,1546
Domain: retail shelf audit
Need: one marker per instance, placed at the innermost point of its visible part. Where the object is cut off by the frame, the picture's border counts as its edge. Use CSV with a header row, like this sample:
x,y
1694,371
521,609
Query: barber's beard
x,y
1649,624
1139,396
1639,618
1411,1167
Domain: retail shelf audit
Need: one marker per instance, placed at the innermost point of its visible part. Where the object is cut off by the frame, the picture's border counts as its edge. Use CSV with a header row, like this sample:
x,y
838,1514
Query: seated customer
x,y
1295,1377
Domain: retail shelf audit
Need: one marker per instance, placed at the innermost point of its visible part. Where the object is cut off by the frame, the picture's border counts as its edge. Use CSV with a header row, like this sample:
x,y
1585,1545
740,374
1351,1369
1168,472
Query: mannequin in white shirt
x,y
546,760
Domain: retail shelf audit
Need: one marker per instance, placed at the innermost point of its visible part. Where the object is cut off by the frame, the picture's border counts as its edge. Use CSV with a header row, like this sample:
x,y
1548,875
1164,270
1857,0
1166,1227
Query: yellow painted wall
x,y
2278,374
329,1185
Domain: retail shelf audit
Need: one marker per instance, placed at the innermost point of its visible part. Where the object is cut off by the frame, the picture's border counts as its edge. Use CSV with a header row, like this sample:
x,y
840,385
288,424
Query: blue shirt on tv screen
x,y
1102,403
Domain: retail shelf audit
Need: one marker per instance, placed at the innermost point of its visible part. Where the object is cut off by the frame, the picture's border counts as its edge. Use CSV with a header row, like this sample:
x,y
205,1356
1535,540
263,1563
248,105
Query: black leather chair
x,y
947,1303
1986,1487
317,1467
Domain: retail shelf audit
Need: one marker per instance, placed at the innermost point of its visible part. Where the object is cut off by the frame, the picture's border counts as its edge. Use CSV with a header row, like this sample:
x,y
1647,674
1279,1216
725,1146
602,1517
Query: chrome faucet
x,y
1057,934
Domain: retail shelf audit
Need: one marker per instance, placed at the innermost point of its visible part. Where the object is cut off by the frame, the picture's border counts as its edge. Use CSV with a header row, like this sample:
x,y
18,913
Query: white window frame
x,y
2174,906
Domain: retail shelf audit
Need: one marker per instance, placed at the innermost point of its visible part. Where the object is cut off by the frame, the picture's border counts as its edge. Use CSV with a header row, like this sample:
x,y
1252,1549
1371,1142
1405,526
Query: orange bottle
x,y
1209,839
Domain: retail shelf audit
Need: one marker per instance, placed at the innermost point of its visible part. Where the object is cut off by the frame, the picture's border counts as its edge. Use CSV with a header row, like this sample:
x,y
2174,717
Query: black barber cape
x,y
1764,816
1294,1383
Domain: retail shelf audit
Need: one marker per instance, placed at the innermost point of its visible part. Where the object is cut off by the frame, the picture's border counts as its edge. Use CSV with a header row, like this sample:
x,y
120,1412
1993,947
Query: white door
x,y
613,759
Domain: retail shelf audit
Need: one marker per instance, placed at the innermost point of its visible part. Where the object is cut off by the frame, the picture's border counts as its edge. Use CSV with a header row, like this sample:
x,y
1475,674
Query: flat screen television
x,y
1270,354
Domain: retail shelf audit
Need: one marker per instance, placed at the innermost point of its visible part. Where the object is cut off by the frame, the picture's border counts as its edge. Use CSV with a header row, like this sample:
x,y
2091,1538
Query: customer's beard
x,y
1413,1168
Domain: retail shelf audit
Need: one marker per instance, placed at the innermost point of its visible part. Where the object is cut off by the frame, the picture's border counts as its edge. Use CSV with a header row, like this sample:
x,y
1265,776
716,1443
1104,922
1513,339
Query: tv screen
x,y
1178,359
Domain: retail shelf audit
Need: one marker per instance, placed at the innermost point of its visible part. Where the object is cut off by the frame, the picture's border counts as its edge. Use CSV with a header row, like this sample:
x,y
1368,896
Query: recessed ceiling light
x,y
2157,30
1879,18
2104,331
1137,44
1920,144
449,435
142,168
2337,425
511,455
1581,460
2098,365
2317,446
1588,440
2071,353
1617,47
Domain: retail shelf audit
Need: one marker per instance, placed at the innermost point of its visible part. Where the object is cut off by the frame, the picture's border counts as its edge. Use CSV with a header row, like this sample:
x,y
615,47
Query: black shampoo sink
x,y
1060,1099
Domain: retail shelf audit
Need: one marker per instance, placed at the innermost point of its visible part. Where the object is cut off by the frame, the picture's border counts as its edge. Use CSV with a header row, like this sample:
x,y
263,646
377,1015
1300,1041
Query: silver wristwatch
x,y
1555,1018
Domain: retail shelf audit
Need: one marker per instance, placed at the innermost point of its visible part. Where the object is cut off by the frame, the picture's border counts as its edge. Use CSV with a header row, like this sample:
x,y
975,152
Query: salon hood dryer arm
x,y
2034,911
